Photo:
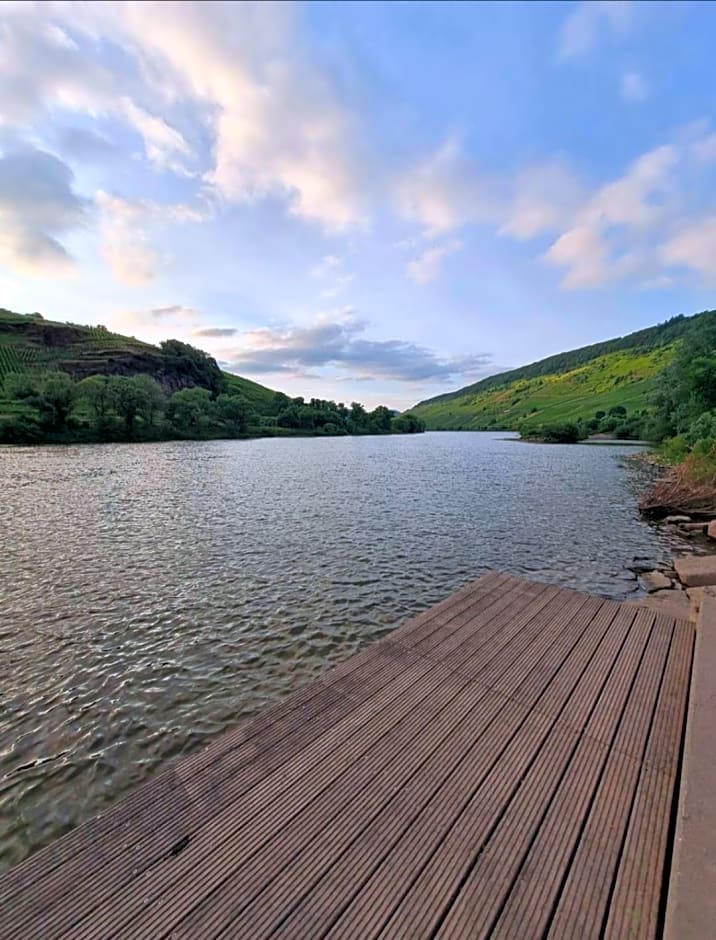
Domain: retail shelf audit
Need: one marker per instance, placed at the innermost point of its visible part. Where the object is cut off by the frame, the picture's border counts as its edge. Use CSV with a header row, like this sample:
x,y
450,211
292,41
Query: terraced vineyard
x,y
14,359
566,387
33,343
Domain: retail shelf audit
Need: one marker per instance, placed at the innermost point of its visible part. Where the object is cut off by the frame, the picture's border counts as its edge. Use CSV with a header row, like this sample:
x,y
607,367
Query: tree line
x,y
684,416
51,406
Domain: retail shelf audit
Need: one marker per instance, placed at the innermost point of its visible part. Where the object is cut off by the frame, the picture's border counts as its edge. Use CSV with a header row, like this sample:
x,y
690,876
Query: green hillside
x,y
30,343
65,383
566,387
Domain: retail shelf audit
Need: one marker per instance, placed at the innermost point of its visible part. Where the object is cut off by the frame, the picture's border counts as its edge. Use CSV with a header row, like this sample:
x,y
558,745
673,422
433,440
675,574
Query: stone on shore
x,y
711,530
696,570
655,581
669,603
677,519
694,526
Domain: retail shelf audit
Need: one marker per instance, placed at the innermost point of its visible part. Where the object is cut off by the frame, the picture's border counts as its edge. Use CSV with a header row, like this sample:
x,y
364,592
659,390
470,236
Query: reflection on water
x,y
152,595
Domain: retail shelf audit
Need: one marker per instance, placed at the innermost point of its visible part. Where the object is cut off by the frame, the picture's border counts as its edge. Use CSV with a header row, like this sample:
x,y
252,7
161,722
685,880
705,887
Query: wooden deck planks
x,y
504,764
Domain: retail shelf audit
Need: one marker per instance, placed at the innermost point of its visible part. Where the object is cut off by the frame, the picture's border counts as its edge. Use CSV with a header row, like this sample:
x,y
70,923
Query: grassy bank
x,y
570,387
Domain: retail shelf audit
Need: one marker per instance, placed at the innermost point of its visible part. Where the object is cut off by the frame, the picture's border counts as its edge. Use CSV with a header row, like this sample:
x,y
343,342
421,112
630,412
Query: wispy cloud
x,y
693,246
126,248
326,266
427,265
590,22
339,342
634,87
545,197
339,284
174,311
216,332
446,191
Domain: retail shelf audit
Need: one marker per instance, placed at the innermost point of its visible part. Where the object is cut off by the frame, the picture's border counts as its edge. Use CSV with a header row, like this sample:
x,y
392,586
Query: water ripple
x,y
153,595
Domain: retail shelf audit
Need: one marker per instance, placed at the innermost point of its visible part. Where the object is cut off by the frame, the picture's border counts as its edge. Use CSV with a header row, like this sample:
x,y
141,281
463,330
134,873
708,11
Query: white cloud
x,y
583,251
657,283
274,125
156,323
427,265
592,20
446,191
326,266
163,145
173,312
694,247
639,198
703,148
277,127
547,196
124,243
610,235
38,205
338,286
634,87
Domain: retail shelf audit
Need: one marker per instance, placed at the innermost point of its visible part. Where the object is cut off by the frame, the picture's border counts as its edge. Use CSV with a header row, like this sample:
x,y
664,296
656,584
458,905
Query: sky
x,y
361,201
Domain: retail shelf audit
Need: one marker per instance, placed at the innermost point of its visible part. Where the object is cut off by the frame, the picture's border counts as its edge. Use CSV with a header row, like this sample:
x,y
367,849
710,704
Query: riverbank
x,y
684,488
676,589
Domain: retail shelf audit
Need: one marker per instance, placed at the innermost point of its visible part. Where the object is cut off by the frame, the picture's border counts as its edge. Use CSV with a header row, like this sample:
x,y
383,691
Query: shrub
x,y
566,433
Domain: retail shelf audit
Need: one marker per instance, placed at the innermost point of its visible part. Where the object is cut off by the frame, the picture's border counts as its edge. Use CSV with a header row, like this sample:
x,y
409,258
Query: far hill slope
x,y
565,387
32,343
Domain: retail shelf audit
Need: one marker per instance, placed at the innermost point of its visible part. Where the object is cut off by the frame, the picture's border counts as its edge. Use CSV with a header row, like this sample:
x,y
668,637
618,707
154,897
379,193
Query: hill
x,y
66,383
569,386
30,343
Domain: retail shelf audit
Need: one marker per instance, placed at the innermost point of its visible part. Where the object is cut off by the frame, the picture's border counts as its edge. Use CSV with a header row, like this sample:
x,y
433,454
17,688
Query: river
x,y
152,595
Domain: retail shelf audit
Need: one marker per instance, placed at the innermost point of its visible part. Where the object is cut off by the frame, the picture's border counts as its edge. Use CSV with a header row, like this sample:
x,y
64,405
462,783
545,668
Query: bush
x,y
567,433
675,449
703,428
20,429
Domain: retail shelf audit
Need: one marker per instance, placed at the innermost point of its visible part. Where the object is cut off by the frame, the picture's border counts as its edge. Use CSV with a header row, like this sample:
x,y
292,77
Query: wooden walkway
x,y
504,765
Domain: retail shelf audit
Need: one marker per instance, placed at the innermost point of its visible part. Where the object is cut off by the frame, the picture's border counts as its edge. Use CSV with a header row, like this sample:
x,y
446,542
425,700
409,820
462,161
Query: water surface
x,y
152,595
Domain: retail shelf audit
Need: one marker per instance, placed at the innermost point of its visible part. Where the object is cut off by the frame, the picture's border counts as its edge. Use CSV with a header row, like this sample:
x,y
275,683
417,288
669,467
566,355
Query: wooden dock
x,y
504,765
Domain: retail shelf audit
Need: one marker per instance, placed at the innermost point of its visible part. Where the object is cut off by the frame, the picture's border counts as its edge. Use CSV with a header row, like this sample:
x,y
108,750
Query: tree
x,y
21,386
407,424
380,419
56,398
357,418
189,412
233,413
95,391
152,397
129,399
188,362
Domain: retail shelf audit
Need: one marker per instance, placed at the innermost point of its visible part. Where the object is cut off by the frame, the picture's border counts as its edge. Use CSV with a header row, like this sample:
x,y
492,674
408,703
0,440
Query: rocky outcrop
x,y
655,581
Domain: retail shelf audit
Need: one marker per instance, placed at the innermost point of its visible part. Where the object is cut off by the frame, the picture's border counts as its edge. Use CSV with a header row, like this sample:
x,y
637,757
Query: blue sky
x,y
372,201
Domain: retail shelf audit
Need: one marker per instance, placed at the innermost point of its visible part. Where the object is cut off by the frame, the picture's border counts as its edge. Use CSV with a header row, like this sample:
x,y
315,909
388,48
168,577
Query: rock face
x,y
711,531
696,571
655,581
